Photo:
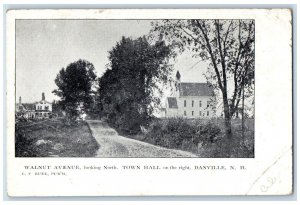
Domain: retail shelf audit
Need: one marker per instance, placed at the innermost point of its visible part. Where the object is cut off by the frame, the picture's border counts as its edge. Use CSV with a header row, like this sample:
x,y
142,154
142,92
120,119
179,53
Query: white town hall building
x,y
190,100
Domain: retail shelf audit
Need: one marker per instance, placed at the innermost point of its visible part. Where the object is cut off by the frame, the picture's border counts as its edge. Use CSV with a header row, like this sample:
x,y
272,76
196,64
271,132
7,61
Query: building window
x,y
192,113
184,113
207,113
46,107
184,103
200,114
192,103
200,103
207,103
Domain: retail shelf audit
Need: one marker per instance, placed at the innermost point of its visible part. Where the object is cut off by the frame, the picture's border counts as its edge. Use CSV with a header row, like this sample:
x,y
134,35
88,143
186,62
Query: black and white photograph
x,y
138,88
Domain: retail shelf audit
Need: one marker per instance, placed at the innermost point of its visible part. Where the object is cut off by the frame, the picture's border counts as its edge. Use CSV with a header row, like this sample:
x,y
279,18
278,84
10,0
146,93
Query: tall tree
x,y
129,89
227,46
75,87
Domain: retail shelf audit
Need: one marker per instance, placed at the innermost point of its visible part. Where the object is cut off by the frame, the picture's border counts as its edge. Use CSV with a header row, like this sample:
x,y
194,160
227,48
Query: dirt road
x,y
114,145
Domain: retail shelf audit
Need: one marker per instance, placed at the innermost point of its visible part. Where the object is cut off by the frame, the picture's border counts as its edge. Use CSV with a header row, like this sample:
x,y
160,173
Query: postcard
x,y
149,102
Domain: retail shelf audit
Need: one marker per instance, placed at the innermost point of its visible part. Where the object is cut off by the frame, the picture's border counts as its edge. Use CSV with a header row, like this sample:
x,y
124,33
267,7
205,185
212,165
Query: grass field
x,y
52,138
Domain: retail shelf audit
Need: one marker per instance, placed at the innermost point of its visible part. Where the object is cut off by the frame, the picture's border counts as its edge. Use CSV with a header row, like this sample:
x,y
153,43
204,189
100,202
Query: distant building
x,y
190,100
38,110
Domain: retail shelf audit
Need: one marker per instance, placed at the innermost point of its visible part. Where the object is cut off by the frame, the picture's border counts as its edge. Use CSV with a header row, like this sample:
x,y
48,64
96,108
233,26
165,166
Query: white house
x,y
41,109
190,100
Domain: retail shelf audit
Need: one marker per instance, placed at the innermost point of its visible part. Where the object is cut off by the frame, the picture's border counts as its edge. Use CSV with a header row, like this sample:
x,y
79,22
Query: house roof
x,y
29,106
195,89
41,101
172,102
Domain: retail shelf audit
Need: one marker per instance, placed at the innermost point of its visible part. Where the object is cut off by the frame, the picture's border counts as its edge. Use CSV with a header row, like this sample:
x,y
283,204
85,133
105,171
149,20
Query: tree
x,y
247,84
75,87
130,88
227,46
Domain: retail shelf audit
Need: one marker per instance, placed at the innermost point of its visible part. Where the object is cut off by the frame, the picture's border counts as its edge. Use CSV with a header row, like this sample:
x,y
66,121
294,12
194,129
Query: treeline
x,y
129,90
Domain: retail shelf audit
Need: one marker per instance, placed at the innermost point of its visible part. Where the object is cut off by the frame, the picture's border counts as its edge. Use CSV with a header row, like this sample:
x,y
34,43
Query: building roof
x,y
172,102
195,89
29,106
41,101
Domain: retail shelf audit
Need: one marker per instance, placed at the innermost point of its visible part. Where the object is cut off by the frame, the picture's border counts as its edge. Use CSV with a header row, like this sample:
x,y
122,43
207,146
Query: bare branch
x,y
226,35
211,54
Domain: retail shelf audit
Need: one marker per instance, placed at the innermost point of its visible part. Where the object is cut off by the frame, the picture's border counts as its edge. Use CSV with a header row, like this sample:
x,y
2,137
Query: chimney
x,y
20,100
43,96
177,83
178,76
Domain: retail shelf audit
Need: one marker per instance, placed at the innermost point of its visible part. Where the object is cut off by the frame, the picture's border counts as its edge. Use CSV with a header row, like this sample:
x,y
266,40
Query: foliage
x,y
54,138
228,47
57,108
203,137
23,146
173,132
75,87
130,89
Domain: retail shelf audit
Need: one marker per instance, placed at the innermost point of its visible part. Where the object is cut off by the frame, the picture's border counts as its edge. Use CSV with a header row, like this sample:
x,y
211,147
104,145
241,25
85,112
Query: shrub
x,y
181,133
24,146
128,123
207,132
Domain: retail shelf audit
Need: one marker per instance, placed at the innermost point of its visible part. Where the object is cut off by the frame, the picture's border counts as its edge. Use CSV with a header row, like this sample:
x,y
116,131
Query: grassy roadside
x,y
205,138
53,138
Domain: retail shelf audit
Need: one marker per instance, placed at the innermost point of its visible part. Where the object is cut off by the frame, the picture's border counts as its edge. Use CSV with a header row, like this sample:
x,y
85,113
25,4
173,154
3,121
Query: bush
x,y
207,132
24,146
181,133
128,123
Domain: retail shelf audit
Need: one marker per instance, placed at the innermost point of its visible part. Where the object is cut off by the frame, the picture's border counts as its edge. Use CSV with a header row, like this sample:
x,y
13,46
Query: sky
x,y
43,47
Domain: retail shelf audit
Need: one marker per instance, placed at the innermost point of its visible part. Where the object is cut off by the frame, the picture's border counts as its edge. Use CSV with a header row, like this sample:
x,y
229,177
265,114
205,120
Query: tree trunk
x,y
228,141
227,117
228,125
243,118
